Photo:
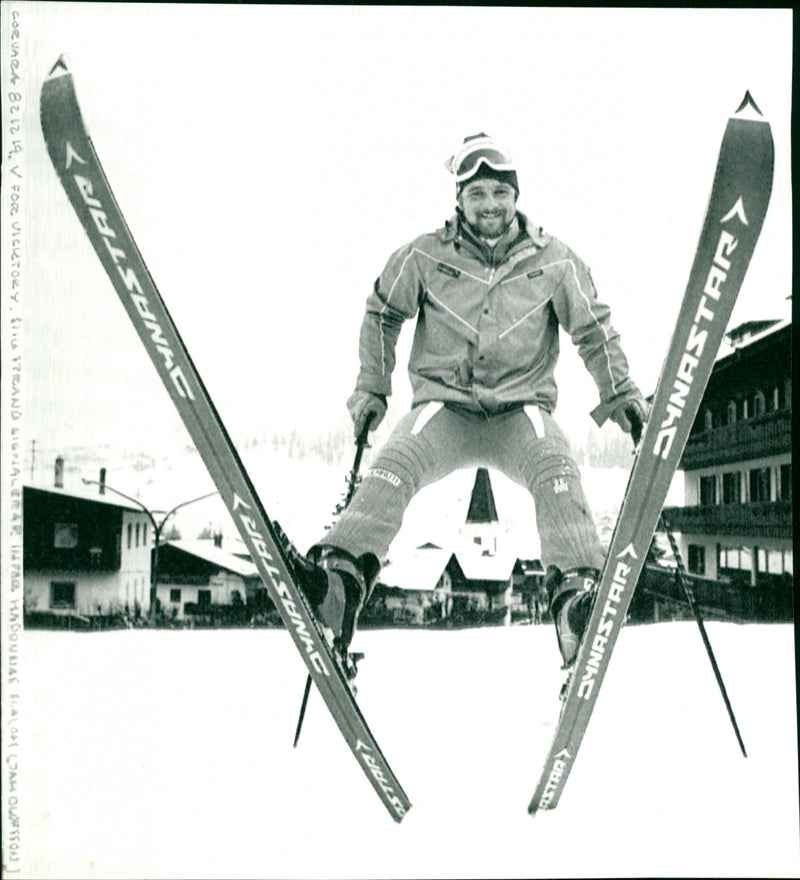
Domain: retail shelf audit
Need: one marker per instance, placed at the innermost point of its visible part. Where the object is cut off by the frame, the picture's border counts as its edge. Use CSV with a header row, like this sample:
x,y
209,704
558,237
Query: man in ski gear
x,y
490,291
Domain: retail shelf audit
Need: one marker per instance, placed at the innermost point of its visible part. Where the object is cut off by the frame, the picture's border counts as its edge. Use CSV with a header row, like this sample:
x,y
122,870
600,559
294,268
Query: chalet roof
x,y
746,332
419,570
477,567
422,569
92,496
208,552
531,566
742,342
482,508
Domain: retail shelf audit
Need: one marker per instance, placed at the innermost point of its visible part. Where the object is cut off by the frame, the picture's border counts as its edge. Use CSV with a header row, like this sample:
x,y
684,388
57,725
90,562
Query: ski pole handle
x,y
362,441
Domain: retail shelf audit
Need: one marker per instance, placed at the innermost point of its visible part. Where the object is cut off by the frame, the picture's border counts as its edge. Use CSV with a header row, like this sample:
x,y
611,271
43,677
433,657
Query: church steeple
x,y
482,508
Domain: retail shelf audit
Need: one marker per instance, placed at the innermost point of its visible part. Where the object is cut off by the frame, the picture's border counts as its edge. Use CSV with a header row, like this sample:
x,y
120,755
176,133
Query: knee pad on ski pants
x,y
567,531
415,454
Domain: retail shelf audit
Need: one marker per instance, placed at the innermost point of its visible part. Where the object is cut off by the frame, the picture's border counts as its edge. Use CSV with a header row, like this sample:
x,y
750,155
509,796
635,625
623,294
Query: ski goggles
x,y
469,158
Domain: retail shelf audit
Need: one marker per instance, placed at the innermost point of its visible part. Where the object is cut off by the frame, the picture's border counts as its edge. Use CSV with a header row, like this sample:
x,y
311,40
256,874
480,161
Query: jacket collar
x,y
455,230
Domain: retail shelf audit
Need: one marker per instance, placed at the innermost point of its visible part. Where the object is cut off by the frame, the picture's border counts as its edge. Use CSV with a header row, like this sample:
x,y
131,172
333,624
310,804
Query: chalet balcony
x,y
767,519
758,437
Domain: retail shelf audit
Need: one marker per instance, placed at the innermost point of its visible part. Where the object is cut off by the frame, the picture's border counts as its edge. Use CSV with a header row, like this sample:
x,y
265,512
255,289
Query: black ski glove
x,y
631,416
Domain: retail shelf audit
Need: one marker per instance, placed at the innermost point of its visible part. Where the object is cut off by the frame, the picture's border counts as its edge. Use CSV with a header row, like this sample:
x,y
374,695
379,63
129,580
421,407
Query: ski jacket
x,y
487,321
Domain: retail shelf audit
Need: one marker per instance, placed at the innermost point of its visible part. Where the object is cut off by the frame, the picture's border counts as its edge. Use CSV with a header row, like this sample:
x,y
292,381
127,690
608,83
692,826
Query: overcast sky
x,y
269,159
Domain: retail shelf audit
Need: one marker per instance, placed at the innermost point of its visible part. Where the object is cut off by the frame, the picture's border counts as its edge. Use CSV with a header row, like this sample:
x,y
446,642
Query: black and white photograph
x,y
396,470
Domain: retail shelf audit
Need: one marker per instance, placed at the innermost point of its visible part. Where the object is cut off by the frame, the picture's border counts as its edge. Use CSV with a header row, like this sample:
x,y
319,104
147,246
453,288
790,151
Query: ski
x,y
734,216
79,170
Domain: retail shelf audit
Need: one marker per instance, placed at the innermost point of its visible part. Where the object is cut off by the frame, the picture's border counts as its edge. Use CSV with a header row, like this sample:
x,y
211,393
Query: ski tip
x,y
60,67
748,109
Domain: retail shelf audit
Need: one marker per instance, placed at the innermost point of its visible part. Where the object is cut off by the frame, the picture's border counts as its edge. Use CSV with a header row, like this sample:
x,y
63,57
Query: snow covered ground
x,y
168,754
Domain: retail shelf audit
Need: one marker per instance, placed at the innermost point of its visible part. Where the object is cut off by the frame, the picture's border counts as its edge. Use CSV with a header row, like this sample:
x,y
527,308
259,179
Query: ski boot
x,y
349,584
572,595
336,585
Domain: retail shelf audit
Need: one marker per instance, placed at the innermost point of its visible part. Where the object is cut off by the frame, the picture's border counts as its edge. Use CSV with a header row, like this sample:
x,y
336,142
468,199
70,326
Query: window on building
x,y
62,594
785,479
730,557
130,535
175,596
731,488
708,489
144,534
65,536
138,528
203,598
759,404
697,559
732,413
745,412
745,558
708,420
759,484
775,561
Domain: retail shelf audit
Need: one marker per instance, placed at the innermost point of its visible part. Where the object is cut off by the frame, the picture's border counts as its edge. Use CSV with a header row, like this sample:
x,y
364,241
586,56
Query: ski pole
x,y
698,617
302,714
352,482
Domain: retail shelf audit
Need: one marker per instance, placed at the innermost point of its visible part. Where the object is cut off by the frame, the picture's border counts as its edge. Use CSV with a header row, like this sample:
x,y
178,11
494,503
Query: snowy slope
x,y
168,754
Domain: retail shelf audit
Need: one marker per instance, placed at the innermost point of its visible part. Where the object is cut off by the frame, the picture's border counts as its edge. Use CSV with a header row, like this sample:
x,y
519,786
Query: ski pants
x,y
432,440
